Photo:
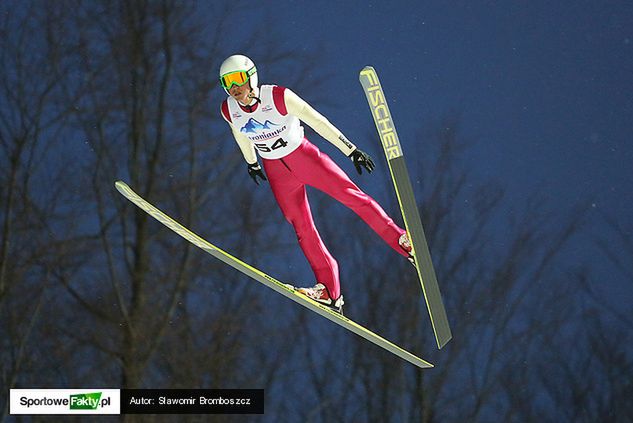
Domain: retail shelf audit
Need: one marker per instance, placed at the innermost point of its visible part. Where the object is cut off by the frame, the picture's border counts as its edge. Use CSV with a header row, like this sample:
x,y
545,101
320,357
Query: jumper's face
x,y
241,93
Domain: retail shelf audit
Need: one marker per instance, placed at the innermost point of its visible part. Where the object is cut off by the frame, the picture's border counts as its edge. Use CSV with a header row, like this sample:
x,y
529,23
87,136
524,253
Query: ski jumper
x,y
272,127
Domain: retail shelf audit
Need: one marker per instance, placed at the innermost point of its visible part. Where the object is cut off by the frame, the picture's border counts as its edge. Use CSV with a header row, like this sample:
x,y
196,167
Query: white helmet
x,y
244,70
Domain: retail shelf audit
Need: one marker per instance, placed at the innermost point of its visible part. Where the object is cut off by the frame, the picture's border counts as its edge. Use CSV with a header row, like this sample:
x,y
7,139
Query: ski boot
x,y
405,244
319,293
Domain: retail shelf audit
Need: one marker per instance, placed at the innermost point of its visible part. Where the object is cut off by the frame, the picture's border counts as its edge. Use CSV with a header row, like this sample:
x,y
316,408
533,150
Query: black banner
x,y
192,401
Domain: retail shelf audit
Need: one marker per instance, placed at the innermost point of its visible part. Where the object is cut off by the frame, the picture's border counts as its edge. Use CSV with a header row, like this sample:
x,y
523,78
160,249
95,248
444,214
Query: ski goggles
x,y
238,78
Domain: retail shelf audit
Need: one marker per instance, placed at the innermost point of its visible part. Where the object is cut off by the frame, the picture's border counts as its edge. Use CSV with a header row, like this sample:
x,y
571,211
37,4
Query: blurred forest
x,y
94,293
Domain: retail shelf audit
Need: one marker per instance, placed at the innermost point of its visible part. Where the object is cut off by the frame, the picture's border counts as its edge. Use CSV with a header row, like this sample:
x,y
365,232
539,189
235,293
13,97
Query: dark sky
x,y
544,89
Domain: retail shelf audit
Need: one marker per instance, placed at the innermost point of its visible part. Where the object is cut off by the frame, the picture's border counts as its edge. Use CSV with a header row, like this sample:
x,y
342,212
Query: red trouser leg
x,y
321,172
308,166
290,194
318,170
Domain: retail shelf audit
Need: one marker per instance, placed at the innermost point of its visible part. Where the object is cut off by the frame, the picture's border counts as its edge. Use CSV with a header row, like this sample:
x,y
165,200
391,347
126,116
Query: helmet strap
x,y
252,103
254,99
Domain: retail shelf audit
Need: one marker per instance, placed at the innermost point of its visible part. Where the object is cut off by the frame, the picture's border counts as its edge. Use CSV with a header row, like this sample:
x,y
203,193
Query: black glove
x,y
255,170
360,158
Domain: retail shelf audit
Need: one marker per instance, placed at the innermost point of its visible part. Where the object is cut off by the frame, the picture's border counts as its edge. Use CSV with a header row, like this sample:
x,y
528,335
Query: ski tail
x,y
406,200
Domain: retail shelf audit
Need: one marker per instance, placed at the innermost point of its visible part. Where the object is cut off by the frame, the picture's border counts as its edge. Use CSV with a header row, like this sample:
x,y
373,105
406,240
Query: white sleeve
x,y
298,107
246,146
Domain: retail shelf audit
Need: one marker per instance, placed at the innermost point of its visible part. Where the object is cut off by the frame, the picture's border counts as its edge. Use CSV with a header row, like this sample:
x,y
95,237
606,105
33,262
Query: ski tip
x,y
121,186
367,70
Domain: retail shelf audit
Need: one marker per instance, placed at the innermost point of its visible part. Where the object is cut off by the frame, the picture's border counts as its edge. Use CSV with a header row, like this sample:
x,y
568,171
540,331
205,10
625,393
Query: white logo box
x,y
60,401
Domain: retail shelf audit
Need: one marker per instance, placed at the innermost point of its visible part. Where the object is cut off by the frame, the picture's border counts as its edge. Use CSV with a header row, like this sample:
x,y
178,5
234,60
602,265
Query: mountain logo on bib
x,y
254,126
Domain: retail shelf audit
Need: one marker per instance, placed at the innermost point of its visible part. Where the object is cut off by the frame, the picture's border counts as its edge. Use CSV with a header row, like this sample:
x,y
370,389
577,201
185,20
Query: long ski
x,y
267,280
408,206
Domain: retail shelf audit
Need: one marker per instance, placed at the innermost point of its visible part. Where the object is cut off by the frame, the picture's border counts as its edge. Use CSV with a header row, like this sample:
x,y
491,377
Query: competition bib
x,y
273,134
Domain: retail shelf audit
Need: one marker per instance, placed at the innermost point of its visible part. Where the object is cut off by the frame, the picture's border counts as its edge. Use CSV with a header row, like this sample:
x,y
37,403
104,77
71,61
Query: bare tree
x,y
146,116
134,305
31,123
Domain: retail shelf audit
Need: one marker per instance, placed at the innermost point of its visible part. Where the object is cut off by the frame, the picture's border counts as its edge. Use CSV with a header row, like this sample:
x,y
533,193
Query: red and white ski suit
x,y
272,127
